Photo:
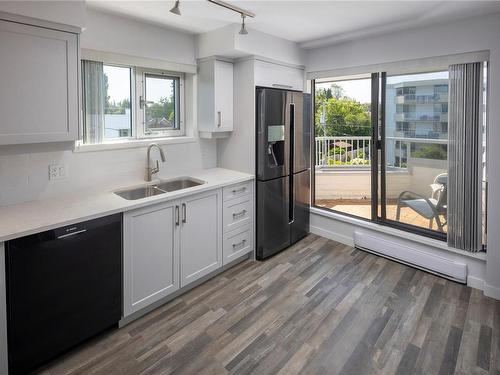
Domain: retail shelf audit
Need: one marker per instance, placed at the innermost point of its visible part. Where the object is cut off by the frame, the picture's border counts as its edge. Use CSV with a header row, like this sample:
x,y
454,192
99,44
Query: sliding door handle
x,y
184,214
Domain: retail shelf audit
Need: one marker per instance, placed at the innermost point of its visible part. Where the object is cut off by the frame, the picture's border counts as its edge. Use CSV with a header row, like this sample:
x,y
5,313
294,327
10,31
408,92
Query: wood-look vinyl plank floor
x,y
319,307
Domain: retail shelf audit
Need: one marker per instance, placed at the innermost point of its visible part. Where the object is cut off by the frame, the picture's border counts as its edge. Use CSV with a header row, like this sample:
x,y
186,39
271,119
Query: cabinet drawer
x,y
237,190
237,243
237,212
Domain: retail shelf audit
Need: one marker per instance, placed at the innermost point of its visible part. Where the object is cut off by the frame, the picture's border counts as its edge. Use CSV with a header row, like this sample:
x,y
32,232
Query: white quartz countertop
x,y
37,216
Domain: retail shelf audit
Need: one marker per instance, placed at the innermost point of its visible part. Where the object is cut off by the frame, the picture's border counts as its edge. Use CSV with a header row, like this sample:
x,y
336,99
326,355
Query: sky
x,y
360,89
119,85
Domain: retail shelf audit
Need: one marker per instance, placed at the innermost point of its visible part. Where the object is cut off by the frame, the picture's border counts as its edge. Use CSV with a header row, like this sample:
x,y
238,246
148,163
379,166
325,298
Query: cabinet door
x,y
39,89
201,235
151,255
223,95
278,76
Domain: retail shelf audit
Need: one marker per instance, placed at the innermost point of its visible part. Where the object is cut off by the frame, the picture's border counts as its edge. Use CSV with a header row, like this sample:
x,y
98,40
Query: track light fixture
x,y
175,9
244,13
243,30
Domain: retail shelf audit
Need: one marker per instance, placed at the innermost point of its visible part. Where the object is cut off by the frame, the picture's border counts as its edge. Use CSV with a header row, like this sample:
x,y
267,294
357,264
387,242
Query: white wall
x,y
110,33
473,34
218,42
66,12
227,41
24,169
261,44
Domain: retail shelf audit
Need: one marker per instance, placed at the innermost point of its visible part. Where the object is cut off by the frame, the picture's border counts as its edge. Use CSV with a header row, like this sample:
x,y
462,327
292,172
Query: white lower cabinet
x,y
150,255
201,235
238,221
169,245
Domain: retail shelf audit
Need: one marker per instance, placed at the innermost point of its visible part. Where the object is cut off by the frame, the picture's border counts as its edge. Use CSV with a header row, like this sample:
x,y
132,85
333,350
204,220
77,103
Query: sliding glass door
x,y
381,149
415,143
343,143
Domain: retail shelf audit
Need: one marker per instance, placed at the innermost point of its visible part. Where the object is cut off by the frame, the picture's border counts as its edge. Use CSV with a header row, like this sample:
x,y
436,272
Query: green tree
x,y
341,115
165,108
432,151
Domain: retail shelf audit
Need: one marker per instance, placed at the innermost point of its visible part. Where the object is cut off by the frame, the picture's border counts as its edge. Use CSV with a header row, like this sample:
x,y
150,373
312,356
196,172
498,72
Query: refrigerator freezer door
x,y
273,125
273,228
301,203
302,132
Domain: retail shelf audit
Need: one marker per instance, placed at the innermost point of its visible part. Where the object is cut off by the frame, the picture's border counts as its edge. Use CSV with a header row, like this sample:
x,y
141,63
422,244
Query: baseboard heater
x,y
411,256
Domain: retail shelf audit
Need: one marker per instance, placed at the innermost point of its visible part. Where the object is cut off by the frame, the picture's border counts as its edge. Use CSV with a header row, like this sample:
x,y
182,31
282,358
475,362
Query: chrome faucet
x,y
150,171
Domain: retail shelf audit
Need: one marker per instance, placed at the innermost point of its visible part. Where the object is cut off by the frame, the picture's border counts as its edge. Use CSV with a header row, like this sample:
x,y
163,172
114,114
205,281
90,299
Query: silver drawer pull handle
x,y
239,214
240,190
242,243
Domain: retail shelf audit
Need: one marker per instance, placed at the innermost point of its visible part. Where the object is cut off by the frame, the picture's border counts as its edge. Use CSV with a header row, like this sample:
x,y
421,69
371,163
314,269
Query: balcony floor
x,y
362,208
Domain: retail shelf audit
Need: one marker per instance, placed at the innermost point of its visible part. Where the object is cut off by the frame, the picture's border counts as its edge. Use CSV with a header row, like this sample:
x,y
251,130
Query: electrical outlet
x,y
57,172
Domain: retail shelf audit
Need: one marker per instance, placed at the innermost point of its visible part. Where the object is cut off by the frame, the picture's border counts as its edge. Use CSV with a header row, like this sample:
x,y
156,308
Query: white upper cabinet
x,y
269,74
223,85
215,98
39,84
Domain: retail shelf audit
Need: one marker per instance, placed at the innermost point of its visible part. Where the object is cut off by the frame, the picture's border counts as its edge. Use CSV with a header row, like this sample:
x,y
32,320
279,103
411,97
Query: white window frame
x,y
138,137
140,118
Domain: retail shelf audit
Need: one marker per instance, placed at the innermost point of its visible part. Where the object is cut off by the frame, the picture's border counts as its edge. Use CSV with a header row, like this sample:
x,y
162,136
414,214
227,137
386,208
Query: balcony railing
x,y
416,116
421,99
343,151
356,151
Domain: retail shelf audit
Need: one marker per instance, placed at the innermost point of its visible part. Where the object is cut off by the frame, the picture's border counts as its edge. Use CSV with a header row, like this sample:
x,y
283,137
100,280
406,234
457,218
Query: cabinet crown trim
x,y
31,21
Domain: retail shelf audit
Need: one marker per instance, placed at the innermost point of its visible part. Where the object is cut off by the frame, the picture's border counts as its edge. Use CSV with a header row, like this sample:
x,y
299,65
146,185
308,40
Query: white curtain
x,y
93,101
464,156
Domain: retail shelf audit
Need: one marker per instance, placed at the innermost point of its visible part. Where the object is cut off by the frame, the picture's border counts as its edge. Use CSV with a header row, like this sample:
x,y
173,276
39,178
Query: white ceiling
x,y
310,23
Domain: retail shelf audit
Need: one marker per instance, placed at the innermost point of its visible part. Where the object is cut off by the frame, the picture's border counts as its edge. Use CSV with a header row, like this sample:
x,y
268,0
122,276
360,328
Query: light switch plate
x,y
57,172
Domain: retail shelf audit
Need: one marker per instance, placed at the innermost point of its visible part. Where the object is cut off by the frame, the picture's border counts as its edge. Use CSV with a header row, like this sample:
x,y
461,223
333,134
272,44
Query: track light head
x,y
175,9
243,30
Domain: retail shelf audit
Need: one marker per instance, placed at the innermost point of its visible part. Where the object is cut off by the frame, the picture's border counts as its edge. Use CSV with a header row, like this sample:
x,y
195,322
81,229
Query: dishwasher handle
x,y
71,234
77,228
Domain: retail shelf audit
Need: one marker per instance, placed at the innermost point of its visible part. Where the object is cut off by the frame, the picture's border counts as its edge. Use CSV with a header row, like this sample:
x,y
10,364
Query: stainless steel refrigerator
x,y
283,169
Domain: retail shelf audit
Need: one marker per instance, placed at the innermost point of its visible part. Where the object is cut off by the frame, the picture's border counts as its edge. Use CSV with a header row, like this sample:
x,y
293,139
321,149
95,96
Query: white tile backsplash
x,y
24,169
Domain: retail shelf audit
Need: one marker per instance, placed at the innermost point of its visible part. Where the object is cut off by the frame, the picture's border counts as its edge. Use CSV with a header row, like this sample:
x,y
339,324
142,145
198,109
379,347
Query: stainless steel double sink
x,y
162,187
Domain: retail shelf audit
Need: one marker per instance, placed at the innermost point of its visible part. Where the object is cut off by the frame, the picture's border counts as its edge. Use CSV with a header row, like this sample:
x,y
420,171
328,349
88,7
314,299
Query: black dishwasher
x,y
63,287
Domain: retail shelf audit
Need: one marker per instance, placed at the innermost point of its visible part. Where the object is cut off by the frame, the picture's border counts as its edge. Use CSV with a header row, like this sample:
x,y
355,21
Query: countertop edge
x,y
127,206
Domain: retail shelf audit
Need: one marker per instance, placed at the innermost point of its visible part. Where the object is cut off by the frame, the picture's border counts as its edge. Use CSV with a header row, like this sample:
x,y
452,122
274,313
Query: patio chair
x,y
430,208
